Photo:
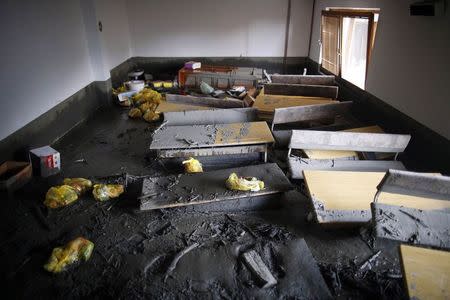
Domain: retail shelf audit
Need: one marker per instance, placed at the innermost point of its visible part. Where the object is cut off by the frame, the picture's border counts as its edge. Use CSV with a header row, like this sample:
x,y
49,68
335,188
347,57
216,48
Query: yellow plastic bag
x,y
79,249
236,183
151,116
59,196
192,165
104,192
135,113
81,185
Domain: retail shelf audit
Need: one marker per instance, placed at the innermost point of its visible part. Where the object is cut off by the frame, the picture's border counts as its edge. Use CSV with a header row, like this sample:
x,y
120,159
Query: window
x,y
347,40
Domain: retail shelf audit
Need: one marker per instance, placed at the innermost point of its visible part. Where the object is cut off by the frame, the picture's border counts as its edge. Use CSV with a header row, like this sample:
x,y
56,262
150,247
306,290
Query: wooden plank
x,y
268,103
353,141
310,112
213,116
259,268
426,272
297,165
201,136
216,151
165,106
194,189
304,79
336,154
342,196
433,186
205,101
301,90
421,226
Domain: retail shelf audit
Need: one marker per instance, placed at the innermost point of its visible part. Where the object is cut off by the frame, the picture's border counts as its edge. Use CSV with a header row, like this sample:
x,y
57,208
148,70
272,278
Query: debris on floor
x,y
77,250
46,161
192,165
236,183
60,196
81,185
105,192
257,266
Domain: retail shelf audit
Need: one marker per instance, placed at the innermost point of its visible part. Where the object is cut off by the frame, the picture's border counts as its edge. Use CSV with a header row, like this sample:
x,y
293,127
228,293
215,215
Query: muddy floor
x,y
137,254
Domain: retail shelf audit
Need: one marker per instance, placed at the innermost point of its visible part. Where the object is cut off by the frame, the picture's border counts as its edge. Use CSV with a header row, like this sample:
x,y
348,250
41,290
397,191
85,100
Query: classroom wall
x,y
410,62
44,56
213,28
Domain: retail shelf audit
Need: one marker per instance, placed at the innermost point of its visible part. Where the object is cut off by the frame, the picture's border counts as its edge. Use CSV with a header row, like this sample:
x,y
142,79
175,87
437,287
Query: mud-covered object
x,y
79,249
192,165
104,192
236,183
151,116
135,113
81,185
60,196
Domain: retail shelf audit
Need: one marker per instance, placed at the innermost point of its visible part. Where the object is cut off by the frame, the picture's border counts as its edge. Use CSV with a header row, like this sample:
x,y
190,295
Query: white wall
x,y
115,36
218,28
44,59
410,67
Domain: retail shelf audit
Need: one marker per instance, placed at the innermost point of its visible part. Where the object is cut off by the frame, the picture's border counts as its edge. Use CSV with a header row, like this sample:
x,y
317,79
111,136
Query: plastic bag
x,y
135,113
151,116
192,165
104,192
236,183
81,185
59,196
79,249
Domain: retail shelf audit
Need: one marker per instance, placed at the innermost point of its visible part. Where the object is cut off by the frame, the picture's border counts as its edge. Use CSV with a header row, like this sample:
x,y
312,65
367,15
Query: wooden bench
x,y
204,101
301,90
211,116
413,207
304,79
341,141
211,140
310,112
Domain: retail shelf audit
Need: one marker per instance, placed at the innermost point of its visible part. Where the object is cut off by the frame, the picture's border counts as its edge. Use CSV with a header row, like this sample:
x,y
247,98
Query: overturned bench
x,y
212,140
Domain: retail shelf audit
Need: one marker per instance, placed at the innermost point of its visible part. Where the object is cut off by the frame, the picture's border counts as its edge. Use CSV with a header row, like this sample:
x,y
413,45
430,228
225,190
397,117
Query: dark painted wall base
x,y
55,123
166,68
427,151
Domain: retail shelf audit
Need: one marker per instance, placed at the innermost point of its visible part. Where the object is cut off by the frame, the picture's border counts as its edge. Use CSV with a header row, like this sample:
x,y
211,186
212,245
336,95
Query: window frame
x,y
354,13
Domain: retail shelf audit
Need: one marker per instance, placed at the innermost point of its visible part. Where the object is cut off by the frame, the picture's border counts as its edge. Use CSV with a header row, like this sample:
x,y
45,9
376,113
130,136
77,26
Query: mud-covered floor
x,y
134,250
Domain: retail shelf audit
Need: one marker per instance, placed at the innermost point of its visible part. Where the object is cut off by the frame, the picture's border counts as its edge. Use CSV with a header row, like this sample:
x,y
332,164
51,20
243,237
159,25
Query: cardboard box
x,y
46,161
14,174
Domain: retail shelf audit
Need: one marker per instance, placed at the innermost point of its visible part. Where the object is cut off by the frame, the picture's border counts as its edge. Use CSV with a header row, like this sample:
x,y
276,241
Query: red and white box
x,y
46,161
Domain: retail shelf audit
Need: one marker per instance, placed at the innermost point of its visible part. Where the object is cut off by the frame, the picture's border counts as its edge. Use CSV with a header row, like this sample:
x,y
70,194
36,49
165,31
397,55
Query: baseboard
x,y
166,68
427,151
58,121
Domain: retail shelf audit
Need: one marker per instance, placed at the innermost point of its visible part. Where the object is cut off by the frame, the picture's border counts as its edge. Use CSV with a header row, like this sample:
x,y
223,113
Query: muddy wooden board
x,y
301,90
213,116
208,187
297,165
266,104
353,141
427,226
303,79
426,272
310,112
165,106
201,136
341,196
205,101
336,154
